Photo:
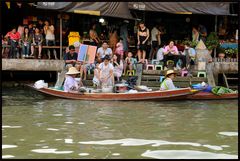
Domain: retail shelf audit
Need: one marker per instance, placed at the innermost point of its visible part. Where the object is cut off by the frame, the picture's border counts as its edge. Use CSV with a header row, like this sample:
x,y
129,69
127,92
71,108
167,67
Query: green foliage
x,y
192,44
212,41
230,51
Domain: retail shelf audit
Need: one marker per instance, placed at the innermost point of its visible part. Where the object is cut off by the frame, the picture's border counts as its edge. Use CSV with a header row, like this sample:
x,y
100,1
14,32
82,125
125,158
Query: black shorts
x,y
154,44
142,47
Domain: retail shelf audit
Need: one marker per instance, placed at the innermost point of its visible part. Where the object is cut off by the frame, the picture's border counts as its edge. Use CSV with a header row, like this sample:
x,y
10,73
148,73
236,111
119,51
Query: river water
x,y
36,126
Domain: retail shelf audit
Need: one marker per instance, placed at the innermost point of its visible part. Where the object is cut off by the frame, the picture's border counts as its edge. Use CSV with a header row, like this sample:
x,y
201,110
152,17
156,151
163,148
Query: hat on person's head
x,y
170,72
72,70
107,57
76,44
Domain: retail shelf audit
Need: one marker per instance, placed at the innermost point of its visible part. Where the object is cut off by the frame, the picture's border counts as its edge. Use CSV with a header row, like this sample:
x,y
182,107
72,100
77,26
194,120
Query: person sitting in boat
x,y
167,84
106,72
71,84
96,78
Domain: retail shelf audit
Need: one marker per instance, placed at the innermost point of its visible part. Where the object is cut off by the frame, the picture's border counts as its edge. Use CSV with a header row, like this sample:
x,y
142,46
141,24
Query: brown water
x,y
35,126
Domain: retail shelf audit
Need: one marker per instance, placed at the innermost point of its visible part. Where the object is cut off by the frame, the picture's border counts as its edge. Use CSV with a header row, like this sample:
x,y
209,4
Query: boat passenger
x,y
167,84
71,84
96,78
106,72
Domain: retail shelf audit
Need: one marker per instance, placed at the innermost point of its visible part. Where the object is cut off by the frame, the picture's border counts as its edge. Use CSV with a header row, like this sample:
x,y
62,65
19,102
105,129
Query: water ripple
x,y
54,151
229,133
140,142
9,146
185,154
7,156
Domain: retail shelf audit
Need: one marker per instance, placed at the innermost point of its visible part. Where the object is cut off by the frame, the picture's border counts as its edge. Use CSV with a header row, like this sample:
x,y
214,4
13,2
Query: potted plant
x,y
221,53
235,53
212,41
229,52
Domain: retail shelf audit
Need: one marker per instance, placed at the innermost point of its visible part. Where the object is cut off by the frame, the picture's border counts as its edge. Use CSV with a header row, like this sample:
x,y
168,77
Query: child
x,y
96,78
119,49
129,62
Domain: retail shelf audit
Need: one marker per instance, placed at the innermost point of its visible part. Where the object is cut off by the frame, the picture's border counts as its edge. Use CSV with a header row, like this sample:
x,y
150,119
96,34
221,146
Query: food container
x,y
121,88
108,89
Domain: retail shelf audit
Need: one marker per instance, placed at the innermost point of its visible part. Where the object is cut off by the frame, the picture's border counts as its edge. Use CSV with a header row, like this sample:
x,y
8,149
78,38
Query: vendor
x,y
106,72
167,84
71,84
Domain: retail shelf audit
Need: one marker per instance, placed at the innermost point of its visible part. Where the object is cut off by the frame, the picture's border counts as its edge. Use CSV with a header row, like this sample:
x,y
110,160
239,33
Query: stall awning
x,y
112,9
55,5
211,8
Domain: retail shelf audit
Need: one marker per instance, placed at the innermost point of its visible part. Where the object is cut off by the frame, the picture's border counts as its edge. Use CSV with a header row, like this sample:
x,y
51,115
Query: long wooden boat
x,y
153,95
210,96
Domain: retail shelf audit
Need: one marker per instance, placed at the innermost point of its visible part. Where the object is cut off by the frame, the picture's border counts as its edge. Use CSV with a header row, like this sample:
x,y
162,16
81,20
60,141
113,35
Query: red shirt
x,y
13,36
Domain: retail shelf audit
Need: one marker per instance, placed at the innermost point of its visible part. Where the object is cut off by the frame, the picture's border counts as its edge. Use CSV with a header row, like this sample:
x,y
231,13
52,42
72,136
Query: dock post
x,y
139,74
210,77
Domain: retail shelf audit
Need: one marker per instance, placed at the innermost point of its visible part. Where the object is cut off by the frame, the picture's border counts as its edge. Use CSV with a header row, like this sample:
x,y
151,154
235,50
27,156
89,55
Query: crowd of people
x,y
113,58
26,38
111,63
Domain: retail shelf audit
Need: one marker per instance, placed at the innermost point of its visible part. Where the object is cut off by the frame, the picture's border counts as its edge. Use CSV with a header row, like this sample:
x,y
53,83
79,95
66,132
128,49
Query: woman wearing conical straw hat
x,y
71,84
167,84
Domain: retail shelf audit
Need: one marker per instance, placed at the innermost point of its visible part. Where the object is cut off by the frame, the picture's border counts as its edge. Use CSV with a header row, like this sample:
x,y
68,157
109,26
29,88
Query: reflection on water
x,y
36,126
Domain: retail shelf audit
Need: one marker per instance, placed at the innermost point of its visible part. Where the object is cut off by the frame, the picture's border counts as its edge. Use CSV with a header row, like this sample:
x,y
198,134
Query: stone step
x,y
177,79
232,78
157,84
163,72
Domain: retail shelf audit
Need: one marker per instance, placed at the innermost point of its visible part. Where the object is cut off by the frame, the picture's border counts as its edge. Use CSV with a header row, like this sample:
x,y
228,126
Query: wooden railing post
x,y
139,73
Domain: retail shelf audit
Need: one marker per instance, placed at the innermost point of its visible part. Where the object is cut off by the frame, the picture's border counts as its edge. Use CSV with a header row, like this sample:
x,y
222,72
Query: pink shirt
x,y
174,48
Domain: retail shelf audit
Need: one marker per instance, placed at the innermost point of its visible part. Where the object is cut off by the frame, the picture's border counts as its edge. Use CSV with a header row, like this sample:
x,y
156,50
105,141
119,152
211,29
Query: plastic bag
x,y
40,84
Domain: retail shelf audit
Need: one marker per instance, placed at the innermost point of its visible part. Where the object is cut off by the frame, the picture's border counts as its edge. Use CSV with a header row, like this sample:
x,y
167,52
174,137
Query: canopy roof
x,y
121,9
112,9
211,8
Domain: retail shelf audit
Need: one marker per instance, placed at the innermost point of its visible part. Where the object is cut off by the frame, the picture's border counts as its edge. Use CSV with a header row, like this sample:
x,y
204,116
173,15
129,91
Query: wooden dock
x,y
149,78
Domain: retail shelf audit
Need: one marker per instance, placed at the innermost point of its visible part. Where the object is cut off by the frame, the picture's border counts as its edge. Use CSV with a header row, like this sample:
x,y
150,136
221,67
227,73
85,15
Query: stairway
x,y
231,80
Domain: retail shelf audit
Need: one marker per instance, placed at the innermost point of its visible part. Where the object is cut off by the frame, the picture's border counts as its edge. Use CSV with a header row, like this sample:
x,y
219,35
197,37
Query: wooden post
x,y
61,47
215,50
139,73
210,76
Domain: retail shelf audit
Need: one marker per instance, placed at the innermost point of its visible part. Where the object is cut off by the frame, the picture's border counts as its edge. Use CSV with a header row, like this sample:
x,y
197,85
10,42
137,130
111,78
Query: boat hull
x,y
154,95
211,96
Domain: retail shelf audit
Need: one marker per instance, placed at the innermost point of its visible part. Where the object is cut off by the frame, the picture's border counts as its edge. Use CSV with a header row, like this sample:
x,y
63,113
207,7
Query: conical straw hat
x,y
72,70
170,72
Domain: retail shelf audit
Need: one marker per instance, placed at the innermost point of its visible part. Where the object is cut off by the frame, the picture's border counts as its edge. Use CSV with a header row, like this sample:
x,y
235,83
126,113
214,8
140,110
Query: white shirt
x,y
50,35
102,52
105,73
160,54
69,83
168,83
154,33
